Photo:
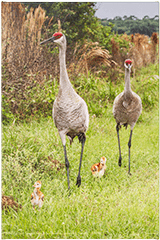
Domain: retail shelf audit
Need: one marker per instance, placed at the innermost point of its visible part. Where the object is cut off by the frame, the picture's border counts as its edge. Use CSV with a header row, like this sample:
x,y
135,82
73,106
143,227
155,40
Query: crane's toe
x,y
78,181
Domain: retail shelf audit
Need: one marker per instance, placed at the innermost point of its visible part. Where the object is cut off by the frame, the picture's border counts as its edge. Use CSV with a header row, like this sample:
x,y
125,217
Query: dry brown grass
x,y
155,42
20,36
115,51
8,202
91,57
142,51
24,62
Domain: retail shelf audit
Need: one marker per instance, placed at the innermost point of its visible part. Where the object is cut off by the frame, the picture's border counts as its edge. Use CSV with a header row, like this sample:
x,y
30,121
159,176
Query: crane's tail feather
x,y
81,137
125,125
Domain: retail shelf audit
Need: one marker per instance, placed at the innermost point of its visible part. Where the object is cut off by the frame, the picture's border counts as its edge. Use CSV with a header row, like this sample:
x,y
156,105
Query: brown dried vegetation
x,y
20,37
8,202
141,50
56,164
91,57
24,62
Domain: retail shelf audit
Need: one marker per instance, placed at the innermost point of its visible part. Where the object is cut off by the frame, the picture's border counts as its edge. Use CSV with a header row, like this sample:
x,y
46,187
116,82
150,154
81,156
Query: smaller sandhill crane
x,y
37,196
127,108
70,112
98,169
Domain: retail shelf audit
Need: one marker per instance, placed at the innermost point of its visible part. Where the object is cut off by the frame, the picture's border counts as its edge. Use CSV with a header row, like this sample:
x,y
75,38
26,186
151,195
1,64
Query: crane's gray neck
x,y
127,89
64,79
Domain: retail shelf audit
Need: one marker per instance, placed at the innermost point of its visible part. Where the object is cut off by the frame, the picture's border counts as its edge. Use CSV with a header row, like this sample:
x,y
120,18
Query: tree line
x,y
132,25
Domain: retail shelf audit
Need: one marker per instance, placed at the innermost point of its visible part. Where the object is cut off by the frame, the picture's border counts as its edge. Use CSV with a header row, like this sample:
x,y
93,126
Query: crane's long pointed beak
x,y
47,40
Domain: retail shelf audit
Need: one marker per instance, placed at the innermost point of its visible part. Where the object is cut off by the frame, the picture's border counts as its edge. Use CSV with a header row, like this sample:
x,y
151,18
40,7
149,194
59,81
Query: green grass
x,y
116,206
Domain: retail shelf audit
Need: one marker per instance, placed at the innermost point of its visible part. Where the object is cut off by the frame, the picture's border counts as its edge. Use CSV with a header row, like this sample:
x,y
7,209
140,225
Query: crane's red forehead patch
x,y
128,61
57,34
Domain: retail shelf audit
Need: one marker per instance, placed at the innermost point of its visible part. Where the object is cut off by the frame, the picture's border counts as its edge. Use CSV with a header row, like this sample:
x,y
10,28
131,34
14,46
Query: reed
x,y
24,62
141,49
91,57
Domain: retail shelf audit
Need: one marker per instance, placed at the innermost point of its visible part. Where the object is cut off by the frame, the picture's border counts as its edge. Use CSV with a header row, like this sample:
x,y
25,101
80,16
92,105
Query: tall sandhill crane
x,y
70,112
127,108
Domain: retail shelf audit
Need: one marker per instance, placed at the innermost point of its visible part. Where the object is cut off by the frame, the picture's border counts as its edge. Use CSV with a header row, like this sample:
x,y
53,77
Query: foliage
x,y
30,73
78,22
98,93
131,25
77,19
147,86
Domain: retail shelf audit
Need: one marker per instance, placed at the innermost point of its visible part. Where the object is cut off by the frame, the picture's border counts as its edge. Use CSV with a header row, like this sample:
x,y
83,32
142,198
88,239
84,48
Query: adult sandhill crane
x,y
127,108
70,112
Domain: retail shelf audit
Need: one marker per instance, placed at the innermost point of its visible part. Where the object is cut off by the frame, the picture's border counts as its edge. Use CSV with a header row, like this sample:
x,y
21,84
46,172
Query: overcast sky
x,y
138,9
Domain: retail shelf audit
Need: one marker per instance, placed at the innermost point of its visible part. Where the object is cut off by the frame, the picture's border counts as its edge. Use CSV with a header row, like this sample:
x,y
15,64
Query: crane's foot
x,y
120,162
78,181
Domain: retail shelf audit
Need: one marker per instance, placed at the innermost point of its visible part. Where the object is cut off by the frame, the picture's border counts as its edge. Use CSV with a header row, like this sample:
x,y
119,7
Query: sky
x,y
138,9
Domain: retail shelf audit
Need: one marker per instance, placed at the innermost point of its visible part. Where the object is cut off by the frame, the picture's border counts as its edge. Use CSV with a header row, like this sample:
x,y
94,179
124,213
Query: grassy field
x,y
116,206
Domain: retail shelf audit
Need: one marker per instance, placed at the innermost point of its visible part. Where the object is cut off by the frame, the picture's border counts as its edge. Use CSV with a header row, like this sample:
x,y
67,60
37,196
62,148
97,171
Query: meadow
x,y
116,206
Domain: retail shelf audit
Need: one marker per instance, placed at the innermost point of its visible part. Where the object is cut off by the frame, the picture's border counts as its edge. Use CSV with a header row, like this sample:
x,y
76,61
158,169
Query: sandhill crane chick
x,y
98,169
127,108
37,196
70,112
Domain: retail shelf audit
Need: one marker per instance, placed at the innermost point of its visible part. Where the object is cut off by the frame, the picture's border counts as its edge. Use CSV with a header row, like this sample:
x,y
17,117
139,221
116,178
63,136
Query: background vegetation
x,y
116,206
132,25
28,68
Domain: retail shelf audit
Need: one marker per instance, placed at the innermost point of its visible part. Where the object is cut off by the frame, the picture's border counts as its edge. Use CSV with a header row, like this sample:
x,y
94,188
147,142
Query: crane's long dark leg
x,y
67,164
129,146
120,158
82,139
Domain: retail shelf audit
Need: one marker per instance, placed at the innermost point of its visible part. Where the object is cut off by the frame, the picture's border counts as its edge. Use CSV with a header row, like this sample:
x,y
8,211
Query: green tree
x,y
132,24
77,18
145,17
124,17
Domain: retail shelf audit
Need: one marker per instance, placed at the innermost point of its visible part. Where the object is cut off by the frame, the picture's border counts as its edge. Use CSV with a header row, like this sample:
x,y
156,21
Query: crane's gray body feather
x,y
127,106
70,113
126,111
